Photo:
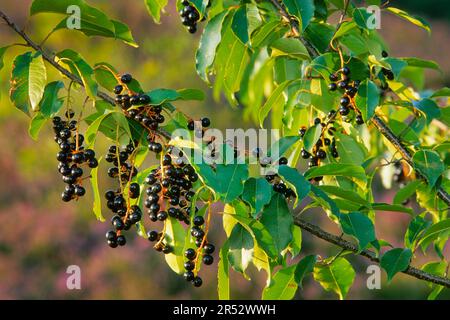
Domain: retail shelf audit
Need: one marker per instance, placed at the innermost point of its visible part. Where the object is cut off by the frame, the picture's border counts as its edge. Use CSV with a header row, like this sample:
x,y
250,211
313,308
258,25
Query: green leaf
x,y
240,248
91,131
290,47
429,164
361,16
282,145
97,206
436,231
296,181
209,42
422,63
395,260
105,74
2,54
367,99
304,267
160,96
78,66
28,79
444,92
339,169
257,193
325,200
231,58
276,99
223,273
406,192
350,150
337,276
259,233
155,7
302,9
50,103
311,137
175,238
413,19
416,227
429,108
283,286
93,22
278,220
245,20
359,226
296,244
345,194
36,125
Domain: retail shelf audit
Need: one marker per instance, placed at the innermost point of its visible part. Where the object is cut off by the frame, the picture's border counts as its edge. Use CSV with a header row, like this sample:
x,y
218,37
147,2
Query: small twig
x,y
348,246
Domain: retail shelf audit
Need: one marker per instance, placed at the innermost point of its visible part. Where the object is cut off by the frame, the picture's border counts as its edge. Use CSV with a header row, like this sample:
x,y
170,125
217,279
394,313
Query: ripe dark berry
x,y
321,154
121,241
198,220
343,111
384,54
118,89
79,191
209,248
332,86
305,154
189,276
317,121
197,282
189,265
66,197
152,235
208,259
162,215
126,78
112,243
117,223
359,120
167,249
346,71
342,84
302,131
205,122
345,101
134,190
111,235
283,161
190,254
333,77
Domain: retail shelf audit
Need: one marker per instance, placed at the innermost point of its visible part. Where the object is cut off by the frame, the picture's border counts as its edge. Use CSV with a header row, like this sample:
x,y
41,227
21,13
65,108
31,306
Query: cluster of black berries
x,y
72,156
125,215
189,16
171,184
349,88
121,168
278,184
205,250
198,130
326,141
136,106
169,195
386,72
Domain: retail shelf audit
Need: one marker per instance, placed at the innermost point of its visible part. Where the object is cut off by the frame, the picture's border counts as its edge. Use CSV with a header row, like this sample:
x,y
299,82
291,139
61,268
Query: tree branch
x,y
50,59
344,244
377,121
315,230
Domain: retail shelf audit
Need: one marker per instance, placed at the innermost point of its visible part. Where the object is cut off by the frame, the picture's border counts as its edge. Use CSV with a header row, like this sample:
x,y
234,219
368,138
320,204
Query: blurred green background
x,y
40,236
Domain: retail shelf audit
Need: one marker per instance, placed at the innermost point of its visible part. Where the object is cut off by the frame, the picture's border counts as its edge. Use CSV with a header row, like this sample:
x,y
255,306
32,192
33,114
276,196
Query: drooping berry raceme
x,y
72,157
189,16
125,215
